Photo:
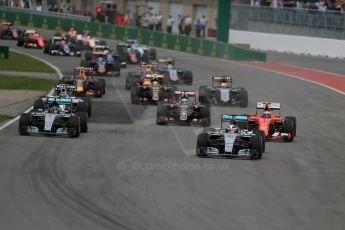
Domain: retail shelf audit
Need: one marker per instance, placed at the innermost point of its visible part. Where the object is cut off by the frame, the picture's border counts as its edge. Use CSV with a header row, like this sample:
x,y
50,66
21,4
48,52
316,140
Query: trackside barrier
x,y
162,40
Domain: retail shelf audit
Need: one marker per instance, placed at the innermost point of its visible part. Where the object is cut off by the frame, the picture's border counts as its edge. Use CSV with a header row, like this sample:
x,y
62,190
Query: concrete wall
x,y
288,43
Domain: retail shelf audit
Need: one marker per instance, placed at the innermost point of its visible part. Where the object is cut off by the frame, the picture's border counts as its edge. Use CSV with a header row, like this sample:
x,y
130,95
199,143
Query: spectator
x,y
188,24
198,26
170,23
144,21
151,21
39,6
203,23
180,24
159,19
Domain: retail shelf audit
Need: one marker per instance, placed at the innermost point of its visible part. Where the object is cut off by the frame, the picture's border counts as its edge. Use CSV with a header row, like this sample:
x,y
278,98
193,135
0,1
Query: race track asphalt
x,y
129,173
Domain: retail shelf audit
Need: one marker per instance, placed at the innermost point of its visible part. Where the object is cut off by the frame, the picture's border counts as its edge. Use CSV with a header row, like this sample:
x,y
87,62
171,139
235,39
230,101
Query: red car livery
x,y
267,118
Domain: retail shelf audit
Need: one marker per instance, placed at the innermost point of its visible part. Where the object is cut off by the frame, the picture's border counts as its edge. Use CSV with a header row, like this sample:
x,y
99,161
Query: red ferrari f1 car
x,y
268,120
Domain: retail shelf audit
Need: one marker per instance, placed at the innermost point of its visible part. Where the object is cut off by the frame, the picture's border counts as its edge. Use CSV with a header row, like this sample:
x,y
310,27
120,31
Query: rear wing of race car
x,y
69,88
153,65
237,118
59,100
217,80
166,61
267,106
185,93
83,70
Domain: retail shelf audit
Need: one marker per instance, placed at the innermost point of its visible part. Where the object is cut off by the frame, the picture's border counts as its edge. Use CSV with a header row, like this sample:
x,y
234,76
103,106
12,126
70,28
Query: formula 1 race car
x,y
150,89
102,62
86,86
56,118
183,109
8,32
175,75
231,140
134,52
223,93
78,104
274,126
146,68
31,39
61,46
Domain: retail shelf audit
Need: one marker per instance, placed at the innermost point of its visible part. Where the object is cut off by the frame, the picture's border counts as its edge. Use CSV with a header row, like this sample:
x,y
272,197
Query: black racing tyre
x,y
288,128
244,98
204,96
98,89
129,79
83,121
128,84
256,145
20,42
46,49
103,82
83,107
74,125
24,122
38,104
205,114
261,133
188,77
161,111
117,67
201,145
153,54
134,96
89,106
294,123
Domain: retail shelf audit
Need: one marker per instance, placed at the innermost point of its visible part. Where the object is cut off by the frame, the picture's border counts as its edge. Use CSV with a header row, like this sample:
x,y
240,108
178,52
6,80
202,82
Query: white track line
x,y
290,75
8,123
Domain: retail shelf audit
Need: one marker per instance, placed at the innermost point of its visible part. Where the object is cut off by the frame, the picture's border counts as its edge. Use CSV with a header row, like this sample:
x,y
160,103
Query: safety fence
x,y
182,43
291,21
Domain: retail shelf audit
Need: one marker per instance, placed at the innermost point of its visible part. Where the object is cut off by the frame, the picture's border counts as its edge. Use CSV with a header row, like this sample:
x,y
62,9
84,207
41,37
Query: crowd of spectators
x,y
63,6
186,24
321,5
150,21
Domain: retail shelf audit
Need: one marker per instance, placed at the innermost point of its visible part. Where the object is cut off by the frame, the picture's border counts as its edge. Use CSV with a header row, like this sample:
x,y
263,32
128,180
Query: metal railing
x,y
314,23
48,13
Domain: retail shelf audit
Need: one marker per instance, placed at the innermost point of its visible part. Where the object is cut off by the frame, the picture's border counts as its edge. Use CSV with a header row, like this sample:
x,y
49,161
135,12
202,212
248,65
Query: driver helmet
x,y
232,129
63,92
82,72
148,68
184,100
55,108
223,85
266,114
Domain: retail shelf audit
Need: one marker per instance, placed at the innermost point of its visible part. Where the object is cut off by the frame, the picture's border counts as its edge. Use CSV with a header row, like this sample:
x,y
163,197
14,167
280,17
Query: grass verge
x,y
4,117
23,63
26,83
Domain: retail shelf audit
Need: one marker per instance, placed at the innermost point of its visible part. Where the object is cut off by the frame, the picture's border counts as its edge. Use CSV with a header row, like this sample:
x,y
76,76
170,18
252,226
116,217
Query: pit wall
x,y
157,39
